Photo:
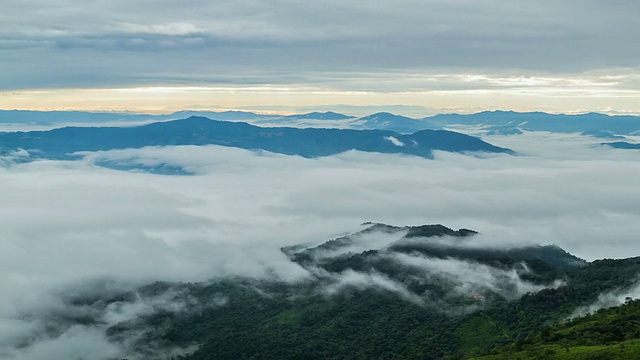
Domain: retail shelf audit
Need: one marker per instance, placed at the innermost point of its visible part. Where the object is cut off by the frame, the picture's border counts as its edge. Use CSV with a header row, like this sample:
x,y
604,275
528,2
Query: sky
x,y
420,57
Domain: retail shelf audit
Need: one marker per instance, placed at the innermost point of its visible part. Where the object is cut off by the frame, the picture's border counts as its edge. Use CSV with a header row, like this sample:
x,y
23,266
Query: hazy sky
x,y
285,55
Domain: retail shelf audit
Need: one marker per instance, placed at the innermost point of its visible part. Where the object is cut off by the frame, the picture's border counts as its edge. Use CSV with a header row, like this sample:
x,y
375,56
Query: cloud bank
x,y
64,225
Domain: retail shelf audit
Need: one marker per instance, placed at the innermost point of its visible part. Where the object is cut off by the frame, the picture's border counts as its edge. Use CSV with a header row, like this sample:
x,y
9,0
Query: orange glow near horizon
x,y
290,99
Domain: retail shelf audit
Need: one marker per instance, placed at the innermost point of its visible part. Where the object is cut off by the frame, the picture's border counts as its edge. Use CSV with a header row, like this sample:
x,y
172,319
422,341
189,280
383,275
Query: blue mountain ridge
x,y
311,142
495,122
510,121
623,145
328,115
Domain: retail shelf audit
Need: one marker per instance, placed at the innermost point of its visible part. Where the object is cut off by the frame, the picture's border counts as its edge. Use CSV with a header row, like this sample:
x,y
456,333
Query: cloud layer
x,y
67,224
434,32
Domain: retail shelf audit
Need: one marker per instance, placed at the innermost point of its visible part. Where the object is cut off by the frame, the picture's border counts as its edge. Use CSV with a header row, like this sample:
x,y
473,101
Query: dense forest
x,y
394,303
607,334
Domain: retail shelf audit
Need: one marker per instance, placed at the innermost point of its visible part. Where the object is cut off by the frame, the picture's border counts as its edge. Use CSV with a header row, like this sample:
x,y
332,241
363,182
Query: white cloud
x,y
171,29
353,279
469,277
395,141
608,300
80,342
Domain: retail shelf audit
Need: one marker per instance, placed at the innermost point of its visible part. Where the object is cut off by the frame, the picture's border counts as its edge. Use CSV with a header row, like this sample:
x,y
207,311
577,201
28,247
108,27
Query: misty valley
x,y
496,235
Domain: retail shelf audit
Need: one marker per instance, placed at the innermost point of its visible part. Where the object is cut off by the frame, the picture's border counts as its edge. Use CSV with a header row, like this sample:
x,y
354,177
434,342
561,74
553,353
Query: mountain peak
x,y
197,118
327,115
385,115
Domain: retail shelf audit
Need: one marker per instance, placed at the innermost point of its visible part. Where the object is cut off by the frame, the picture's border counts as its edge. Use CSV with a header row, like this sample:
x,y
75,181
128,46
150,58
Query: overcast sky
x,y
285,55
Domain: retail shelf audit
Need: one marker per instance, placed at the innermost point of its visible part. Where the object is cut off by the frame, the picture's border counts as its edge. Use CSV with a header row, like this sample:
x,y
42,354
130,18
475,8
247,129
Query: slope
x,y
608,334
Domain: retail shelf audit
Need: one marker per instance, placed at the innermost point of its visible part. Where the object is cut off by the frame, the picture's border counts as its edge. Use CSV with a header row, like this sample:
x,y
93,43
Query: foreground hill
x,y
424,297
386,292
608,334
60,143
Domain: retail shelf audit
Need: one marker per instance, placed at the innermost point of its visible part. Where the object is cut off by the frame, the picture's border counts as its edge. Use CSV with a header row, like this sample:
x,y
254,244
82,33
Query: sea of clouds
x,y
67,224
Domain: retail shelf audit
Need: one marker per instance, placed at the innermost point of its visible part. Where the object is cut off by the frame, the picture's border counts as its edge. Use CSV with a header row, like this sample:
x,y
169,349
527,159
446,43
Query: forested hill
x,y
309,142
367,322
387,292
608,334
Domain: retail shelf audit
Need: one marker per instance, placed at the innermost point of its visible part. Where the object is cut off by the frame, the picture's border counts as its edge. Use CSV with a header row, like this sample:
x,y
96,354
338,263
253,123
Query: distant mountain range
x,y
325,133
62,142
540,121
623,145
493,122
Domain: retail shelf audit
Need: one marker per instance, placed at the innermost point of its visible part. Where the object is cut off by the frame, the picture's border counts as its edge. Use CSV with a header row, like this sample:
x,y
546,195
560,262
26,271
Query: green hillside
x,y
608,334
427,295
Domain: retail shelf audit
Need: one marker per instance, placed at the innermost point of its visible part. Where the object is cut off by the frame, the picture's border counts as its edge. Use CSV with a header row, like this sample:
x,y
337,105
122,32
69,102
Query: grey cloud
x,y
323,19
225,36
